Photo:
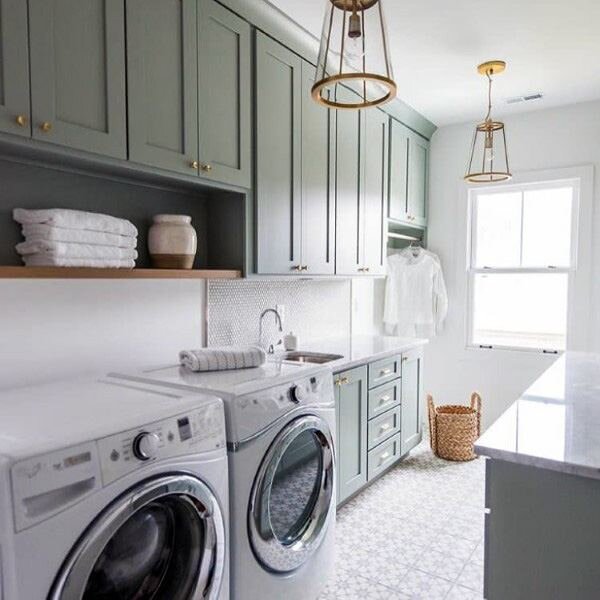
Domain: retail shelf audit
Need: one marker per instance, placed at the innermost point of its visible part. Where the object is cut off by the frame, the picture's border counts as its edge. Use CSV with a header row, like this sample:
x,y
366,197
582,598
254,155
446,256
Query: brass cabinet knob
x,y
206,167
21,120
297,268
304,268
46,126
195,165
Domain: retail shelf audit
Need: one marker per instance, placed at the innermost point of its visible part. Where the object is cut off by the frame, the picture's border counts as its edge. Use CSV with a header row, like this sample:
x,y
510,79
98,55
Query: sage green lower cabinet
x,y
14,68
77,57
351,401
412,398
162,82
378,410
224,95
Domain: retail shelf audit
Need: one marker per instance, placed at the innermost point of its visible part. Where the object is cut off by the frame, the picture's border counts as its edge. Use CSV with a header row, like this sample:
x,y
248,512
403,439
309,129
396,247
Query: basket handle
x,y
432,424
476,406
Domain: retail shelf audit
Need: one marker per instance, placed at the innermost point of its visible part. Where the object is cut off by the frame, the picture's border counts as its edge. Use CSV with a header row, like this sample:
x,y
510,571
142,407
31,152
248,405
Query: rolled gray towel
x,y
223,358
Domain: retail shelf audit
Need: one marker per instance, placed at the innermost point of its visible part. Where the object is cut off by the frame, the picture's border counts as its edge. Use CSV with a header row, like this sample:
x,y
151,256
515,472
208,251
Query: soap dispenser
x,y
290,341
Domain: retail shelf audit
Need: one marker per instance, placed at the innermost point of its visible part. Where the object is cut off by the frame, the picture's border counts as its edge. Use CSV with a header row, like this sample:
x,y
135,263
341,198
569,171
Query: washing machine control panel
x,y
193,432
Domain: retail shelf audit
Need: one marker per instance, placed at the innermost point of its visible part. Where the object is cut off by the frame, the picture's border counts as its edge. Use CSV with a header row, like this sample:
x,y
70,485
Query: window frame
x,y
529,184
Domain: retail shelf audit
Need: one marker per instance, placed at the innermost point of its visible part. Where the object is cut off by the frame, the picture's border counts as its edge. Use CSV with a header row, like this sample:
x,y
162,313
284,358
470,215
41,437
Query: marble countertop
x,y
555,424
357,350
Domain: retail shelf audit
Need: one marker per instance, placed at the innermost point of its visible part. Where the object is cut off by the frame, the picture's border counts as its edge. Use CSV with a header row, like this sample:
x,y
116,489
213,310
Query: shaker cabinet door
x,y
398,171
14,68
78,74
224,95
278,158
318,205
418,151
351,414
412,398
162,82
349,228
374,190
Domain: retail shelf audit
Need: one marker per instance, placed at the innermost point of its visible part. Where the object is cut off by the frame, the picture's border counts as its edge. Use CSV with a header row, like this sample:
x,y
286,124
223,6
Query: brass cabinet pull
x,y
296,268
385,372
304,268
384,399
404,358
46,126
21,120
340,381
195,165
366,269
206,167
385,427
385,455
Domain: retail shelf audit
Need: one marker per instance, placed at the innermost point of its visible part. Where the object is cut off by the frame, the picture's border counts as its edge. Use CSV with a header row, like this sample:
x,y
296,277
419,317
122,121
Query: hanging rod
x,y
402,236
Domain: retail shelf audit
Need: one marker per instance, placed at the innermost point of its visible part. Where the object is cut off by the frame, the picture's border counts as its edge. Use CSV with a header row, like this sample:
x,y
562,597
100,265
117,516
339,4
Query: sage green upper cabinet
x,y
349,228
318,206
162,83
351,404
224,95
278,157
407,197
398,171
77,54
418,154
14,68
374,190
412,399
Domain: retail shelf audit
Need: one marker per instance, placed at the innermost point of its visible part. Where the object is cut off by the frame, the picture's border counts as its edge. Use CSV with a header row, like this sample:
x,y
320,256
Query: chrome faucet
x,y
270,347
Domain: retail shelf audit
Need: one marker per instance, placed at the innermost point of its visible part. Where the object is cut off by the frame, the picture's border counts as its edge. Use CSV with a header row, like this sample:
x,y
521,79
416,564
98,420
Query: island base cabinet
x,y
542,534
351,406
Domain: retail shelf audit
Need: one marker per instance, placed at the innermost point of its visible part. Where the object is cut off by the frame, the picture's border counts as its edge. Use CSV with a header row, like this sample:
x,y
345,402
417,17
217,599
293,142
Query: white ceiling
x,y
551,46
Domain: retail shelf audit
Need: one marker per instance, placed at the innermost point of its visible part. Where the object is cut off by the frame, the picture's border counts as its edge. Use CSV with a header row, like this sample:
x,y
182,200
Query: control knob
x,y
298,394
145,445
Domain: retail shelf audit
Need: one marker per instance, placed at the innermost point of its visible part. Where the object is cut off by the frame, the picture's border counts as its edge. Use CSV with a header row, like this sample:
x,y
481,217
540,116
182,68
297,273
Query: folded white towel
x,y
75,219
41,260
39,231
223,358
72,250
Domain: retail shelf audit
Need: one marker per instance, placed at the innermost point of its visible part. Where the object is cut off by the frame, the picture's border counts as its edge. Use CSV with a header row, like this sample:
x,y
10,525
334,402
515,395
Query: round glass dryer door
x,y
162,540
293,495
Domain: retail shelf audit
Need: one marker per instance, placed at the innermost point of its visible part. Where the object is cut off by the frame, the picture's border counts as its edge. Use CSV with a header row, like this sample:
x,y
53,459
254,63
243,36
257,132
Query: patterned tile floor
x,y
416,533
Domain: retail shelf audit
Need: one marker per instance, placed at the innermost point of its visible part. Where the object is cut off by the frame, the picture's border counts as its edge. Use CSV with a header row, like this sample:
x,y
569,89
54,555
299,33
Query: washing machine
x,y
280,421
111,490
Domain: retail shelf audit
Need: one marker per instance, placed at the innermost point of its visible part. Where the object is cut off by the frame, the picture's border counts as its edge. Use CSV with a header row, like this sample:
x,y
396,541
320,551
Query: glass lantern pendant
x,y
354,51
488,162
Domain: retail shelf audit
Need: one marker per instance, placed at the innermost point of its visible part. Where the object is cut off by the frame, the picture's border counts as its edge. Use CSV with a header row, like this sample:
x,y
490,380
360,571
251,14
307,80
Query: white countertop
x,y
360,349
555,424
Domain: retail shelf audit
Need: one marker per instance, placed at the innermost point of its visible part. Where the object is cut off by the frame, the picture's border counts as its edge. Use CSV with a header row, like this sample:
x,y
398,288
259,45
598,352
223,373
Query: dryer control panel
x,y
188,433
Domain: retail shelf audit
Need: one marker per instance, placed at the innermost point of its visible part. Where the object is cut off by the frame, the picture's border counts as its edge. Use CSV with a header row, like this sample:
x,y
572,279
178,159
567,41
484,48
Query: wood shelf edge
x,y
21,272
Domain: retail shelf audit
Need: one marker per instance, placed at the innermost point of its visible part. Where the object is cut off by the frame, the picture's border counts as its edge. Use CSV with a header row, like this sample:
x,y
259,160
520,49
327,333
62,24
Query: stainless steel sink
x,y
318,358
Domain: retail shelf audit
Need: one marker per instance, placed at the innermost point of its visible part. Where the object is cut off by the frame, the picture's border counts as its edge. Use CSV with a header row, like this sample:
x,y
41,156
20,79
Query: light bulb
x,y
488,149
354,43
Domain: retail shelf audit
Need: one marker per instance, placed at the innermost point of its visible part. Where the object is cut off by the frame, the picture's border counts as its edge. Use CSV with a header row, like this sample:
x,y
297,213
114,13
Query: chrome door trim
x,y
235,446
271,553
75,571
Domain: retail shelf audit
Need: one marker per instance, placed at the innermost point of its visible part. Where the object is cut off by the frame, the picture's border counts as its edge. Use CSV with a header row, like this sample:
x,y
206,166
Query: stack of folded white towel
x,y
71,238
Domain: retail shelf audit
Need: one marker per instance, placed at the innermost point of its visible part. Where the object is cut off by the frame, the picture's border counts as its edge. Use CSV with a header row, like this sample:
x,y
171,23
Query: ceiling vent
x,y
528,98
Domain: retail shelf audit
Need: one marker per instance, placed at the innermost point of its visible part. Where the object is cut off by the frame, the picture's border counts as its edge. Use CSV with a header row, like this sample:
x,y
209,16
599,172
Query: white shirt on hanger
x,y
416,302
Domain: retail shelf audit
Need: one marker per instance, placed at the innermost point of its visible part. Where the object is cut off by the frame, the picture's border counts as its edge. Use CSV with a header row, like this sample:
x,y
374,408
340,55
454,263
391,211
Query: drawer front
x,y
385,370
383,427
383,456
383,398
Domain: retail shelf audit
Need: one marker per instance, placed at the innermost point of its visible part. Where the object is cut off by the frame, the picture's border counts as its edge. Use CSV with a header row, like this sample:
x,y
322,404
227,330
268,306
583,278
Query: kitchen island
x,y
542,529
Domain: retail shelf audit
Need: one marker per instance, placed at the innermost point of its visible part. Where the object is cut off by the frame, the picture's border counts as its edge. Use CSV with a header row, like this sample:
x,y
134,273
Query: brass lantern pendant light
x,y
488,150
354,50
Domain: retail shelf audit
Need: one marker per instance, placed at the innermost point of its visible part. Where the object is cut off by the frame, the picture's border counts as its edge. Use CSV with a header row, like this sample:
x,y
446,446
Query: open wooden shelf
x,y
94,273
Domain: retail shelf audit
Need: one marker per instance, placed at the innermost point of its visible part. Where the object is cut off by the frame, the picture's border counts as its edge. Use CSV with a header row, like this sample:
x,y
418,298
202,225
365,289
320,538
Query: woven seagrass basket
x,y
454,428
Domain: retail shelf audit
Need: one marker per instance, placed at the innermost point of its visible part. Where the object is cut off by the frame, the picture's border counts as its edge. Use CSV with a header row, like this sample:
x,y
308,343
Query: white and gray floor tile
x,y
415,534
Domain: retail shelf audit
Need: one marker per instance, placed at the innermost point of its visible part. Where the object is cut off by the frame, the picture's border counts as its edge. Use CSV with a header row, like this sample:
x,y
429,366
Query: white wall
x,y
67,328
549,139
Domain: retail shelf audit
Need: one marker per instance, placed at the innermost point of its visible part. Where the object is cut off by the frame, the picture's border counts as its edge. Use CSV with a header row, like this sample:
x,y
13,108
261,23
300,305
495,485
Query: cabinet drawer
x,y
383,456
383,398
384,370
383,427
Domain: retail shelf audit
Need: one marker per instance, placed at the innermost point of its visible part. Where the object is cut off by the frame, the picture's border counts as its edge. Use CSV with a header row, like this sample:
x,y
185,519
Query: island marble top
x,y
555,424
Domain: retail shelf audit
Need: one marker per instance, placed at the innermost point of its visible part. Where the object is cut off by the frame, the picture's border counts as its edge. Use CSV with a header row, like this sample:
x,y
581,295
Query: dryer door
x,y
293,497
164,539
